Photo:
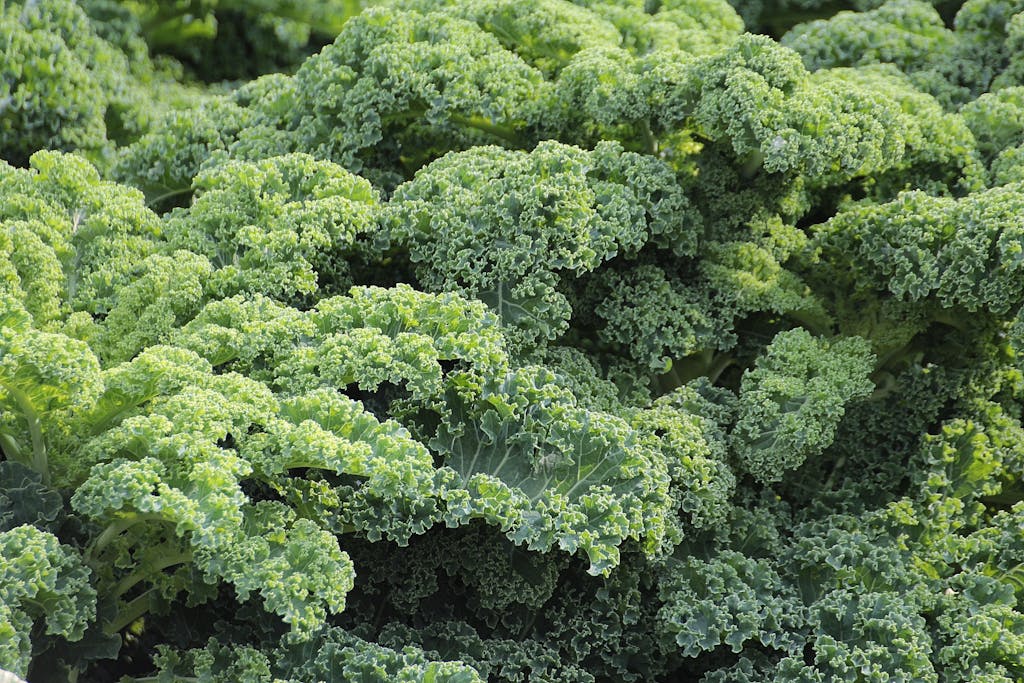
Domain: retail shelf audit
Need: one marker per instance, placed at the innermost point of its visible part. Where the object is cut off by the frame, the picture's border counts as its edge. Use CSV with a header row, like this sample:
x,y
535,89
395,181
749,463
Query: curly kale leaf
x,y
45,378
280,227
24,499
168,469
504,226
40,579
72,239
551,473
56,79
728,601
959,253
545,33
422,343
335,656
400,85
791,403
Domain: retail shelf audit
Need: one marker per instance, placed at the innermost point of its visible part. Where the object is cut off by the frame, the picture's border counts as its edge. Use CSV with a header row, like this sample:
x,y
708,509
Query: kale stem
x,y
38,460
718,366
750,165
951,318
148,570
11,448
896,359
154,200
836,466
691,367
650,142
378,618
115,529
132,612
487,126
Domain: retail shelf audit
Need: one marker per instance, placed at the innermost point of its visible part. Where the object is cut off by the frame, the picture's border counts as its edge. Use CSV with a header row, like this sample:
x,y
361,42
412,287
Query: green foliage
x,y
333,658
289,221
42,580
791,403
728,601
957,253
458,87
570,210
551,473
544,341
696,26
909,34
71,238
546,34
54,91
163,162
44,378
209,35
72,82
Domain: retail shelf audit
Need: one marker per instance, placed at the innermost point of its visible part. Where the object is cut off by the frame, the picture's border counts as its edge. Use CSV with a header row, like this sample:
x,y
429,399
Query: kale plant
x,y
549,341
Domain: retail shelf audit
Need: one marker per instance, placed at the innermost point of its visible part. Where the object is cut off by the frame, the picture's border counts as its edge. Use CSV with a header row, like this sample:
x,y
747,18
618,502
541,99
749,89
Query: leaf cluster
x,y
466,340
